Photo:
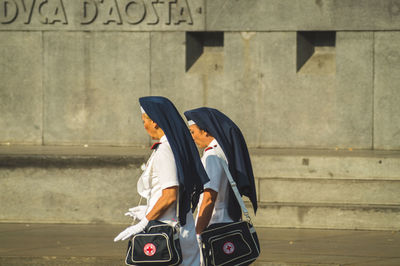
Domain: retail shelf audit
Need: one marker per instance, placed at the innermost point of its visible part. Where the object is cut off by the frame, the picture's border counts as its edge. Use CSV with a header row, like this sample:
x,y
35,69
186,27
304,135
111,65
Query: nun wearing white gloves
x,y
173,173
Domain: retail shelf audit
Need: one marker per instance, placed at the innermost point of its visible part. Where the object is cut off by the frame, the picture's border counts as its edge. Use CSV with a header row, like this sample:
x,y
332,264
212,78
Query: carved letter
x,y
55,12
28,6
58,14
8,11
153,12
43,19
113,13
135,11
89,11
179,12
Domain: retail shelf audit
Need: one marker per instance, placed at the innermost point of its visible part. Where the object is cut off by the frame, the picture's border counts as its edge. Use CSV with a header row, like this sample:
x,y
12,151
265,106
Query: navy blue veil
x,y
191,174
232,142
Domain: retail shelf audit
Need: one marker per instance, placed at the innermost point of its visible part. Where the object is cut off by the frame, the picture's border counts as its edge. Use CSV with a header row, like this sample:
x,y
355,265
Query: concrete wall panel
x,y
282,15
353,99
104,15
92,74
387,93
328,217
168,73
277,107
363,165
93,82
96,195
329,191
21,92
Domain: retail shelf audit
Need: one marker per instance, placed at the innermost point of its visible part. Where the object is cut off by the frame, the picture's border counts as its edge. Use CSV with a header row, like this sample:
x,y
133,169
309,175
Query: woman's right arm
x,y
165,168
168,197
214,171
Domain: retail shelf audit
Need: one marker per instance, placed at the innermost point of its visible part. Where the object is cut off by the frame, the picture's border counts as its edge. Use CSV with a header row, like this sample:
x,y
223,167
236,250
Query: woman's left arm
x,y
166,170
168,197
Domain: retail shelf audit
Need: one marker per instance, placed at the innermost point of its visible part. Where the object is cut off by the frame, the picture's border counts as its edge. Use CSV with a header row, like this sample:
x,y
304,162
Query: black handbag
x,y
233,243
158,244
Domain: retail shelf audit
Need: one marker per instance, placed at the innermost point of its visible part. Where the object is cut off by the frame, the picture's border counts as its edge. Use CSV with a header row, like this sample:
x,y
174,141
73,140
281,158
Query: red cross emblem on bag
x,y
149,249
228,248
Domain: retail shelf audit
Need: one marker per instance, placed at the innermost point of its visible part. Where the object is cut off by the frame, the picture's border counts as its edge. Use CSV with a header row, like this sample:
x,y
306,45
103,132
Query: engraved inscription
x,y
135,12
89,11
8,11
111,12
100,12
47,11
52,11
179,12
27,10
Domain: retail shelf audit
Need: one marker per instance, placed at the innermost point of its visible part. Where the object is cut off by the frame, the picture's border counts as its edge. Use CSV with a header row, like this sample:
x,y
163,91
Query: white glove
x,y
199,242
137,213
131,230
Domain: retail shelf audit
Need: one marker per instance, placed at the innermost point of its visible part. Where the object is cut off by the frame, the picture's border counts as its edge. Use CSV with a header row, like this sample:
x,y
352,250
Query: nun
x,y
173,175
223,143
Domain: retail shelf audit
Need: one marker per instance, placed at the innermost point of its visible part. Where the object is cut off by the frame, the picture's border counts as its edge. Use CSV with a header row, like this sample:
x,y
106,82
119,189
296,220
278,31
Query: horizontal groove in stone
x,y
37,161
344,179
325,153
327,205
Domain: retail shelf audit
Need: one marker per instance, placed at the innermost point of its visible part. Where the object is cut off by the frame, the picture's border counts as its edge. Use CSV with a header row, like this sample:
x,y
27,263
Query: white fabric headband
x,y
191,122
141,109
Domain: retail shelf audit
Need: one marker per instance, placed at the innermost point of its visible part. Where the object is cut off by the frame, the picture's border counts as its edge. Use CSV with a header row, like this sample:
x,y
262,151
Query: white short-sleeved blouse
x,y
160,173
213,160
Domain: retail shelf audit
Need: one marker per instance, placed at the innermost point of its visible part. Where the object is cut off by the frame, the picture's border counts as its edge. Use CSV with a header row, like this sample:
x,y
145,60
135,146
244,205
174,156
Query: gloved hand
x,y
131,230
199,242
137,212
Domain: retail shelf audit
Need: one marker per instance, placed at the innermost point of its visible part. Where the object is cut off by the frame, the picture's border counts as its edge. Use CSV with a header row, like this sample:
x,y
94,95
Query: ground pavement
x,y
69,244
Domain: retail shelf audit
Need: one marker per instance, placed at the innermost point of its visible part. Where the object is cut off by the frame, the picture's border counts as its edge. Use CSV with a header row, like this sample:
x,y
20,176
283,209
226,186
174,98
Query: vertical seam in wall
x,y
205,15
43,88
150,74
373,91
150,61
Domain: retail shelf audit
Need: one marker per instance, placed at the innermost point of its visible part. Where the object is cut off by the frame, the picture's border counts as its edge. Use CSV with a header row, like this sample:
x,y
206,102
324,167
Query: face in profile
x,y
200,137
150,126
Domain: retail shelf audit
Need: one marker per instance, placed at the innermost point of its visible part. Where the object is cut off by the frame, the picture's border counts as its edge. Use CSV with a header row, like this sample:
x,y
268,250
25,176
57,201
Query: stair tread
x,y
327,205
37,150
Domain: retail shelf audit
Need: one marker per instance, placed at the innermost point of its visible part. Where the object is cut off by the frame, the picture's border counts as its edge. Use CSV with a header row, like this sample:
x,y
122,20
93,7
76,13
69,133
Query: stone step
x,y
338,189
329,191
68,184
326,164
296,188
328,216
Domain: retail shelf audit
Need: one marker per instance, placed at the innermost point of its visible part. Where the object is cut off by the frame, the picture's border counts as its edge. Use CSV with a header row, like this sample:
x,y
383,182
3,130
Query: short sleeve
x,y
165,167
214,171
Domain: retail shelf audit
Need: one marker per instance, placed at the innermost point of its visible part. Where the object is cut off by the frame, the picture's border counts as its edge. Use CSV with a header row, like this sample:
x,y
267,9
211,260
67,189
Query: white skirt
x,y
190,249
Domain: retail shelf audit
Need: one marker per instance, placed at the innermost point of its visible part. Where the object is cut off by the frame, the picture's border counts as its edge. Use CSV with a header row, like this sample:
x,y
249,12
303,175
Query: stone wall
x,y
71,72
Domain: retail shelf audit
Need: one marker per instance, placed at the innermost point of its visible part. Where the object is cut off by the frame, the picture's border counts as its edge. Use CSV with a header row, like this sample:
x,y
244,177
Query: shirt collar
x,y
212,144
163,139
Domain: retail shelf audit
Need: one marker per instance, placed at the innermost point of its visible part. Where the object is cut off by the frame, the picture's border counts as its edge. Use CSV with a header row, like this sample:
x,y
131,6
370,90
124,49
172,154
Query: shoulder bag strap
x,y
236,192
